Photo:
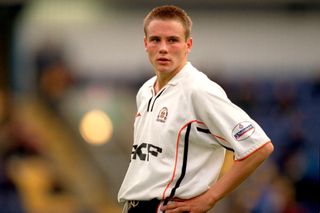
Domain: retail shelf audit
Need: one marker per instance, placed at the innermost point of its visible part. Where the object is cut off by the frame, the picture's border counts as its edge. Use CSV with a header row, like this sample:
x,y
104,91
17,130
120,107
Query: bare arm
x,y
238,172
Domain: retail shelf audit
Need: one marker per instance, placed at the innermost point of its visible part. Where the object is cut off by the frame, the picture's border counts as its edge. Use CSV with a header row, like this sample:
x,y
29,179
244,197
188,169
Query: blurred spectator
x,y
316,86
28,181
9,197
284,98
54,74
247,95
279,197
292,121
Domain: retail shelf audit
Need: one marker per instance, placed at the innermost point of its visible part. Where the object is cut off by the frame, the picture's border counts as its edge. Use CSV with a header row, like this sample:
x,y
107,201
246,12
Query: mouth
x,y
163,60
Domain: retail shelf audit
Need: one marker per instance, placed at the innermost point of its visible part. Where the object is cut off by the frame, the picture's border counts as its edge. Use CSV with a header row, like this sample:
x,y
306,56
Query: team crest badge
x,y
163,114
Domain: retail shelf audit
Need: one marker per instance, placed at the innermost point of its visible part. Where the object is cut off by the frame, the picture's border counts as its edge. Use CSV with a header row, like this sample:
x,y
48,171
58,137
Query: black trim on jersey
x,y
184,165
149,103
203,130
156,99
207,131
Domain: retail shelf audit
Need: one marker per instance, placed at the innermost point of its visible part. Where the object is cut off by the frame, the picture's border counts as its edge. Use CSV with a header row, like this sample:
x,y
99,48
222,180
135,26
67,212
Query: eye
x,y
173,40
154,39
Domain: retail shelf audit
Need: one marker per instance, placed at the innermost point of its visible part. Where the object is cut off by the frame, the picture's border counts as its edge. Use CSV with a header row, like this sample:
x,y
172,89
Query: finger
x,y
183,209
175,207
171,205
168,207
178,199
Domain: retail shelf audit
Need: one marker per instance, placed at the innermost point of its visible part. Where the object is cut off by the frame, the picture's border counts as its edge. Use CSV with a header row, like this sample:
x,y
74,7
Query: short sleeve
x,y
231,125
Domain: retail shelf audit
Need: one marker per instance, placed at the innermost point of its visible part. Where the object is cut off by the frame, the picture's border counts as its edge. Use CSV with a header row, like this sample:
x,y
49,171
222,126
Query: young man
x,y
183,126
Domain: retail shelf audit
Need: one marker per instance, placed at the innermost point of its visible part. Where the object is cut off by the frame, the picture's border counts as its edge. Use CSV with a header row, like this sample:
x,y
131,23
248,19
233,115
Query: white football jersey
x,y
180,137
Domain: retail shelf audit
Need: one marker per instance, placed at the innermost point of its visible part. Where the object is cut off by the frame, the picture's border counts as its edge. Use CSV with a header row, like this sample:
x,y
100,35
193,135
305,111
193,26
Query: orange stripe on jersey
x,y
253,151
177,153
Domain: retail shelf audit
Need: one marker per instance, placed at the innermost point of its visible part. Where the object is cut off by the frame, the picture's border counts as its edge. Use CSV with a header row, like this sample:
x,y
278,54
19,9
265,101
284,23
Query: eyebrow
x,y
174,37
153,37
169,37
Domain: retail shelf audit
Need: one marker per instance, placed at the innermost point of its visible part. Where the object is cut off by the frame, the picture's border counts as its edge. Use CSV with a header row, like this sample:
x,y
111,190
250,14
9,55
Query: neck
x,y
164,78
160,83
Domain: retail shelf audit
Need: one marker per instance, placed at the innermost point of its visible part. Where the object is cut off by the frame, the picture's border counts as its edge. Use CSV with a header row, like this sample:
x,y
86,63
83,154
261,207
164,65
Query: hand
x,y
199,204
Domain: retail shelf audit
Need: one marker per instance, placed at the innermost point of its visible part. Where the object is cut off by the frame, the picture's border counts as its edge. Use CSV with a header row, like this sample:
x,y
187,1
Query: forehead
x,y
159,27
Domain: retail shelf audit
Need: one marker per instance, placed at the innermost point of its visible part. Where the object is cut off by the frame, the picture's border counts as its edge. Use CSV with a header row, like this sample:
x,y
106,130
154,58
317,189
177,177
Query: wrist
x,y
213,198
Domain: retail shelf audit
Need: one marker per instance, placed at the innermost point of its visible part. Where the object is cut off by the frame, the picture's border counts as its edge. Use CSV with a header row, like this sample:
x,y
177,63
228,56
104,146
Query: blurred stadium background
x,y
69,72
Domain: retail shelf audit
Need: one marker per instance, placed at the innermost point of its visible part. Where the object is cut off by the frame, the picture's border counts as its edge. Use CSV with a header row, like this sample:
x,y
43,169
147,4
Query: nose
x,y
163,47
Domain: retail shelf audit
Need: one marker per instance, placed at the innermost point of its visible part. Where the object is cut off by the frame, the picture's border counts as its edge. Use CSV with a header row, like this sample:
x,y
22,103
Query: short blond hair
x,y
169,12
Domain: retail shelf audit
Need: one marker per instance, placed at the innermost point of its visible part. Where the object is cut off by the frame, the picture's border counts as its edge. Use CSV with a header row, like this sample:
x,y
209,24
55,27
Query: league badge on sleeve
x,y
243,130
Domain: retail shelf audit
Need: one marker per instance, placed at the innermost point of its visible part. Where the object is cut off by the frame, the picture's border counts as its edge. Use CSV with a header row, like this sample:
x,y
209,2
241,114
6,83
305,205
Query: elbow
x,y
265,151
261,153
268,149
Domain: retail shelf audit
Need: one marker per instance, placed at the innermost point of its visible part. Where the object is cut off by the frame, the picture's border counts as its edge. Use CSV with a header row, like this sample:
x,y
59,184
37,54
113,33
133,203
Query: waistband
x,y
138,206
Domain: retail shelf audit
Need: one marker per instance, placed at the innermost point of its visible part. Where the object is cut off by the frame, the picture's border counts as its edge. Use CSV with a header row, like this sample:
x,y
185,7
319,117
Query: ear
x,y
189,44
145,43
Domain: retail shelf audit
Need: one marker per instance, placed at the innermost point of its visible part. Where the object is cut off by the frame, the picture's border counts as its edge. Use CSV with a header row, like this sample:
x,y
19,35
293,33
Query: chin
x,y
163,69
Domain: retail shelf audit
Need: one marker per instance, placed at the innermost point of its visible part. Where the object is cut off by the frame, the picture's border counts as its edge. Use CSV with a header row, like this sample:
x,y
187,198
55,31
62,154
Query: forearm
x,y
238,172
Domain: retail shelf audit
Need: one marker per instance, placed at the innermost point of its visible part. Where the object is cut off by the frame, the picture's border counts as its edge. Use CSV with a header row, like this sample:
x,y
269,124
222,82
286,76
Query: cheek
x,y
180,52
152,54
150,51
151,48
181,49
